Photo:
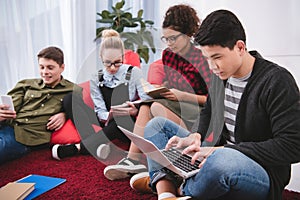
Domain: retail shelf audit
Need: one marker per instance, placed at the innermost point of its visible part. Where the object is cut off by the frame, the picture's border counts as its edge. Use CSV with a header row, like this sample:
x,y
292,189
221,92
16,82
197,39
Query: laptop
x,y
172,159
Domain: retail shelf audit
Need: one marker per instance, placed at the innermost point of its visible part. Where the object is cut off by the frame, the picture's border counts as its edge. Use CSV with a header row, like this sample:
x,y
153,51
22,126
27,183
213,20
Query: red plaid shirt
x,y
190,73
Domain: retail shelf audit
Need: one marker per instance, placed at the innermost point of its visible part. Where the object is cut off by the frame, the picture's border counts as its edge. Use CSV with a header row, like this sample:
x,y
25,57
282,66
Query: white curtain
x,y
27,26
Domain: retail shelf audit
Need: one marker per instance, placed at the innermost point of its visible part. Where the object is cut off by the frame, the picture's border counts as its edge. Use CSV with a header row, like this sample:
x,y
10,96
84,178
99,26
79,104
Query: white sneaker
x,y
103,151
123,169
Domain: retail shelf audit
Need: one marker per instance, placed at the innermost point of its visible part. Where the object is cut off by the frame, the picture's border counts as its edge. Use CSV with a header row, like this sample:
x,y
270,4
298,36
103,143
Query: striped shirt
x,y
233,92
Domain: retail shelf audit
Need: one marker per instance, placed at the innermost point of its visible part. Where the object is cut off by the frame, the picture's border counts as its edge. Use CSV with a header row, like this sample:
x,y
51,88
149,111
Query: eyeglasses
x,y
116,64
172,39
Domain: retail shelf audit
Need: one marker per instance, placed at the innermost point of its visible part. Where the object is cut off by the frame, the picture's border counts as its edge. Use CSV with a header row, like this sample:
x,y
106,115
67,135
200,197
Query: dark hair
x,y
222,28
182,18
52,53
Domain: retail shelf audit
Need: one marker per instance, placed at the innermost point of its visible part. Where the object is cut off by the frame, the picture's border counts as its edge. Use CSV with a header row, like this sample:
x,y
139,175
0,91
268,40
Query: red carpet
x,y
84,174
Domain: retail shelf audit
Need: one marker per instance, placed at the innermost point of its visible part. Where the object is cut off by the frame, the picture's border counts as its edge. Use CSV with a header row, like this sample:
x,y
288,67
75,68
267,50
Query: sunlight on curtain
x,y
28,26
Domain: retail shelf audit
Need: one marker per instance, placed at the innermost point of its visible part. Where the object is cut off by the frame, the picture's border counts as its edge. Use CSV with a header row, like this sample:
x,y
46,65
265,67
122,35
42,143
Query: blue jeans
x,y
226,174
9,148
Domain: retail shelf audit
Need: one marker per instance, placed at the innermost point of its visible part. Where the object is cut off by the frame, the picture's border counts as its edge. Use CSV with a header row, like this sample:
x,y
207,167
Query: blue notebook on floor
x,y
42,184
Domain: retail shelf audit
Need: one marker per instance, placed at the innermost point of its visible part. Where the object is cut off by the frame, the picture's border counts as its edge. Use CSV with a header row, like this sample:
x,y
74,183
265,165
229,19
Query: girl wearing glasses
x,y
116,84
187,77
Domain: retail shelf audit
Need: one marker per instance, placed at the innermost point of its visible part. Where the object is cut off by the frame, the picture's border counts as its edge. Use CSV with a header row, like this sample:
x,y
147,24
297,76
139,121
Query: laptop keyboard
x,y
181,161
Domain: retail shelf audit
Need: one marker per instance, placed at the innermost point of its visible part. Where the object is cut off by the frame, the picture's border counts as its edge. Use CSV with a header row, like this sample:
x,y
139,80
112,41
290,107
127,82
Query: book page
x,y
156,92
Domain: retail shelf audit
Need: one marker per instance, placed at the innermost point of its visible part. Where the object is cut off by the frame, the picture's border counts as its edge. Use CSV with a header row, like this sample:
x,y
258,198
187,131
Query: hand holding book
x,y
157,93
125,109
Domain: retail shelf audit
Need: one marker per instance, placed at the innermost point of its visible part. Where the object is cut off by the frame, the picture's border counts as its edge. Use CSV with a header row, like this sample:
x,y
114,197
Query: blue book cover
x,y
42,184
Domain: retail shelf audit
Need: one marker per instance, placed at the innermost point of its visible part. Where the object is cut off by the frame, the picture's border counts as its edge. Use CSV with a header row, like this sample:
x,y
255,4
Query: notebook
x,y
172,159
42,184
16,191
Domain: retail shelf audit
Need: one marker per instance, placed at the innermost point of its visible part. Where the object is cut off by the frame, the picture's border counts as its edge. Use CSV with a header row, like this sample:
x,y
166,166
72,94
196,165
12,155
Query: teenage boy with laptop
x,y
253,112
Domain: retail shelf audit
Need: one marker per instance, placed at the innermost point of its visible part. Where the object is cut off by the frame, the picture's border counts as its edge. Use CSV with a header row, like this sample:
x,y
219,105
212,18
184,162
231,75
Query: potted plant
x,y
135,31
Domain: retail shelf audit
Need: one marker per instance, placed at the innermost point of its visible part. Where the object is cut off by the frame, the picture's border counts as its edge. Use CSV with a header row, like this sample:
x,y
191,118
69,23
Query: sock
x,y
81,148
165,195
78,146
67,150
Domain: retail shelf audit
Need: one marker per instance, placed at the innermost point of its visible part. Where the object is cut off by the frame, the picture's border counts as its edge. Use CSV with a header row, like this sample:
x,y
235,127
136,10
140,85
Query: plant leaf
x,y
129,45
134,37
105,14
140,13
147,36
142,25
120,5
119,19
105,21
126,15
143,51
149,22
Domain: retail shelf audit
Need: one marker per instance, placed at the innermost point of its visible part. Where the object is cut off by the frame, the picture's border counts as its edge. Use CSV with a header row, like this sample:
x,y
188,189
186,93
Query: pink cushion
x,y
66,135
156,72
86,94
132,58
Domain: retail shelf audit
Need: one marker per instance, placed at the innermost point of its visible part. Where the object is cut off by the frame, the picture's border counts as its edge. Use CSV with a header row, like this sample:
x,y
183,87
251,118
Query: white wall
x,y
271,27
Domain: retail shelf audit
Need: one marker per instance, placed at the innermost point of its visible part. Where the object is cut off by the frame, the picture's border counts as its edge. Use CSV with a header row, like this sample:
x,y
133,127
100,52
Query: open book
x,y
155,93
125,104
120,108
152,91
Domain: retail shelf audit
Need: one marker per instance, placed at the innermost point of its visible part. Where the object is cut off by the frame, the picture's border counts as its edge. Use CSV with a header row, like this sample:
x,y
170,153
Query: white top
x,y
135,87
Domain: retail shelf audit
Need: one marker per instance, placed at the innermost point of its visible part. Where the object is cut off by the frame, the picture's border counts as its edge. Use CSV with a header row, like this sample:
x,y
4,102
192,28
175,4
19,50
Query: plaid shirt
x,y
190,73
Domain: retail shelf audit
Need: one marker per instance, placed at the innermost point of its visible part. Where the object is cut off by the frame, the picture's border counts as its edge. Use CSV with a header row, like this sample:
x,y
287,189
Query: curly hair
x,y
182,18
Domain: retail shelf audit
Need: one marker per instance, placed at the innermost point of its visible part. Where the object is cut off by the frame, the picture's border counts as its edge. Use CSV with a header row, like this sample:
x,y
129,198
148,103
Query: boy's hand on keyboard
x,y
192,142
202,154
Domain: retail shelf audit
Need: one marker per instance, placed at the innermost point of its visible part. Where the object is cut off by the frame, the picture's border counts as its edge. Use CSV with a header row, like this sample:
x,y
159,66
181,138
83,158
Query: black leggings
x,y
83,117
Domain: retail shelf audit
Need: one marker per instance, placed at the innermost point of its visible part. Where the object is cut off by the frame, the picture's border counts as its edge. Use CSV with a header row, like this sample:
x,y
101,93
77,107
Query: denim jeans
x,y
9,148
226,174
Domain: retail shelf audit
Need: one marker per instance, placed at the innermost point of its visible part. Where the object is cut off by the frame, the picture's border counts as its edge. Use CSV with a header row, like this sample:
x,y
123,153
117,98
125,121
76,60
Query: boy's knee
x,y
156,122
153,126
223,161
